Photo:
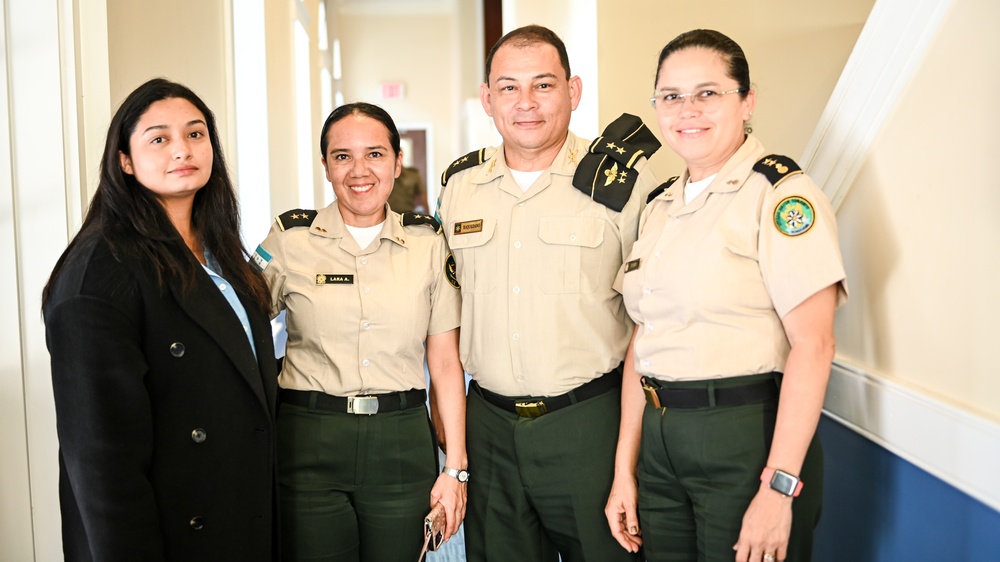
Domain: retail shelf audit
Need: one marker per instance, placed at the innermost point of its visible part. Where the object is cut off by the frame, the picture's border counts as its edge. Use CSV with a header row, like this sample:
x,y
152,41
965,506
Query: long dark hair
x,y
135,224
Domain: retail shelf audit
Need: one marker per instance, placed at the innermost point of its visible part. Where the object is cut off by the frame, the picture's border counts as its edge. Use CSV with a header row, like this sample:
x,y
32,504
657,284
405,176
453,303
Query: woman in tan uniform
x,y
733,284
366,291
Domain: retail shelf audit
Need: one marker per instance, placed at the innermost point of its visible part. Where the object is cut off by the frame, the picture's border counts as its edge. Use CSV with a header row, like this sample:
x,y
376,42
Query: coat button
x,y
198,435
177,349
197,523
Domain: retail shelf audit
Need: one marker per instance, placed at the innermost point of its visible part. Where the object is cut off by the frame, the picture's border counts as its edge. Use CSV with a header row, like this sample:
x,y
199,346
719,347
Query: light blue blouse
x,y
230,294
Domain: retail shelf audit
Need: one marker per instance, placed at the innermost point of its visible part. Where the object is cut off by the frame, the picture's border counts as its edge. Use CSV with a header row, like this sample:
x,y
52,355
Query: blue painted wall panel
x,y
879,507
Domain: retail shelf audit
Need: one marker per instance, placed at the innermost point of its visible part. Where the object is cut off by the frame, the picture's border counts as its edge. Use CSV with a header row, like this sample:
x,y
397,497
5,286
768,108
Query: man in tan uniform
x,y
408,192
543,332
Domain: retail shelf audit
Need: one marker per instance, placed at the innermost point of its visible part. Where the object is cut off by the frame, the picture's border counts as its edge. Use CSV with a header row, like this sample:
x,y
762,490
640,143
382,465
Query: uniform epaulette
x,y
474,158
776,168
295,217
607,172
662,187
407,219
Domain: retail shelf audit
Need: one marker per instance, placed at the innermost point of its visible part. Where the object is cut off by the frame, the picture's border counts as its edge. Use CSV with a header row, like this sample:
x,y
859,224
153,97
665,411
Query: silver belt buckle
x,y
362,405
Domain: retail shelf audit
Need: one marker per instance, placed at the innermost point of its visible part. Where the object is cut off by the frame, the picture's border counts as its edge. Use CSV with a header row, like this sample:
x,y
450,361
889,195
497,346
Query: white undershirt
x,y
695,188
364,235
525,180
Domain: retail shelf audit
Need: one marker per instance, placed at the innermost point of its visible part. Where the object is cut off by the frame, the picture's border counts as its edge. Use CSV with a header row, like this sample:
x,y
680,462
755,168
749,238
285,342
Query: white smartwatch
x,y
459,474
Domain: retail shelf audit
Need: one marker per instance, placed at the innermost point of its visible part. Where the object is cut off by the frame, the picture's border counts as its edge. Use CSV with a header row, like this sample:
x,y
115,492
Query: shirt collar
x,y
330,224
565,162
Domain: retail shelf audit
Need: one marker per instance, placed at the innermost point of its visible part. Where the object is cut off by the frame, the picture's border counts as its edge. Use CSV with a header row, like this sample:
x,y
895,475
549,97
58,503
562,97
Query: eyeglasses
x,y
706,100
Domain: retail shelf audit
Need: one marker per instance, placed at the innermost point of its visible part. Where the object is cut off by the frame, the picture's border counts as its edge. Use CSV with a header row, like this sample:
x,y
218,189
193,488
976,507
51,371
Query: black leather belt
x,y
371,404
535,407
690,398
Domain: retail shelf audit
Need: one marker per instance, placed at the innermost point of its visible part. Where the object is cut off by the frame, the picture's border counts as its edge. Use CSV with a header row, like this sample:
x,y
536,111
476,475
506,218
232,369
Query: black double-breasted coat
x,y
165,415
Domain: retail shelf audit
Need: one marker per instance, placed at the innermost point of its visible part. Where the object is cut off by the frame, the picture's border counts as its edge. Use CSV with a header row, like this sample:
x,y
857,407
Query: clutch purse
x,y
433,530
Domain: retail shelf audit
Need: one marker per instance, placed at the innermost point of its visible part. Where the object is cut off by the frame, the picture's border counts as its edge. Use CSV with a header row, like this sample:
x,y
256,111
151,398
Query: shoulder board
x,y
663,187
607,172
776,168
295,217
408,219
474,158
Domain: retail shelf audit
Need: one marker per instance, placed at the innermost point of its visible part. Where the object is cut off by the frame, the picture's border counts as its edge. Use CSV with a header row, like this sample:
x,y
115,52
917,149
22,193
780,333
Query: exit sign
x,y
392,90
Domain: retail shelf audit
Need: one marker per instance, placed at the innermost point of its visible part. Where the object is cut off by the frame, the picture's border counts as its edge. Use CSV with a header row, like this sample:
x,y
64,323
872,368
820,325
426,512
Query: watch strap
x,y
457,474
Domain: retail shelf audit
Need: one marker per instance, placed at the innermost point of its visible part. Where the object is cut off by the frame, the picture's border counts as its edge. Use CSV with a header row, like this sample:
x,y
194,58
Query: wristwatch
x,y
781,482
459,474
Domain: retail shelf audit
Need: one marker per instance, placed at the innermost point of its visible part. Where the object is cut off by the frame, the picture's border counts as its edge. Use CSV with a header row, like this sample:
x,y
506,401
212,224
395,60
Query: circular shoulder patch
x,y
794,216
451,272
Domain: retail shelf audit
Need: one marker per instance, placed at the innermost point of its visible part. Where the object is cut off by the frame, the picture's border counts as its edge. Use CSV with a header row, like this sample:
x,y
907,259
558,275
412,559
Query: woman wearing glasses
x,y
732,284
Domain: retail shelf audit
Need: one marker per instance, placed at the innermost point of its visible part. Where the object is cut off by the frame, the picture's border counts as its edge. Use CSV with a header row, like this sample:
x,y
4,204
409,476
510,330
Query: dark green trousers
x,y
353,488
700,468
538,486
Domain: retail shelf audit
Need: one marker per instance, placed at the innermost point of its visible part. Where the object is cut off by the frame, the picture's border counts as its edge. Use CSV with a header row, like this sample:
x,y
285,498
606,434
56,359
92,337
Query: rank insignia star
x,y
782,169
612,145
462,160
620,150
623,176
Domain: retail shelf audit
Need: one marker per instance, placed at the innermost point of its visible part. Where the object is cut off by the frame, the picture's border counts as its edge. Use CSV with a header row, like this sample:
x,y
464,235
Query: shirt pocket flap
x,y
571,231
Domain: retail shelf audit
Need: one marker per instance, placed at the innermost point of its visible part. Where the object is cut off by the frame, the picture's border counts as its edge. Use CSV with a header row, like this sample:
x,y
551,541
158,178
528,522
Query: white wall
x,y
796,52
919,225
40,200
576,23
421,49
916,371
145,41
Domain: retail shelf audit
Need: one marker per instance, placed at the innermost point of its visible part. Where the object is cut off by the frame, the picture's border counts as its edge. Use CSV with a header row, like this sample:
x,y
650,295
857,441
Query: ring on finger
x,y
768,557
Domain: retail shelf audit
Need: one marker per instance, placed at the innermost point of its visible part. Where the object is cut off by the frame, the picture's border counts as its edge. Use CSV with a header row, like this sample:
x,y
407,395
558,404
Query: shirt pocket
x,y
476,258
571,254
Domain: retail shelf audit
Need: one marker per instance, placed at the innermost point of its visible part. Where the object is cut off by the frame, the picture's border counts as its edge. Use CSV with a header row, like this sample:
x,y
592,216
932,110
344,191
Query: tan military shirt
x,y
709,282
539,315
357,319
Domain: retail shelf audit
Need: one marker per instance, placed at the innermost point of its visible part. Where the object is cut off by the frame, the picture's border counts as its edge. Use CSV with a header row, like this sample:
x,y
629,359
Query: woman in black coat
x,y
162,360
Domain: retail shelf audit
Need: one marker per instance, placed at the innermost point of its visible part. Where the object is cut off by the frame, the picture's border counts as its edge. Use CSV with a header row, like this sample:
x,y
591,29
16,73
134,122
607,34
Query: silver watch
x,y
459,474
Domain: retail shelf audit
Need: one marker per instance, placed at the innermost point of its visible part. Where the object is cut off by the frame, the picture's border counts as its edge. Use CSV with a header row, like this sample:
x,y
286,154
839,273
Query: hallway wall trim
x,y
952,443
888,53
